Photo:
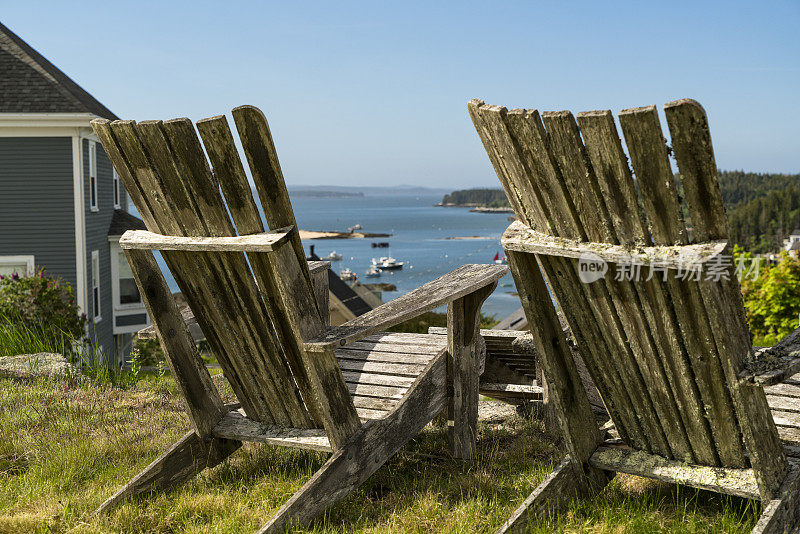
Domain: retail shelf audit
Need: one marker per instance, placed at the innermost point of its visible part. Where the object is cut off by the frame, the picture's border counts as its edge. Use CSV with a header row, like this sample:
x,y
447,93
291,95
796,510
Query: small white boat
x,y
387,263
333,256
347,275
500,261
372,272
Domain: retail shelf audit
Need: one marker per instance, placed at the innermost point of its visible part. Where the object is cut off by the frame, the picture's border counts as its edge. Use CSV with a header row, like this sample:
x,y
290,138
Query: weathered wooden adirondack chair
x,y
670,354
300,383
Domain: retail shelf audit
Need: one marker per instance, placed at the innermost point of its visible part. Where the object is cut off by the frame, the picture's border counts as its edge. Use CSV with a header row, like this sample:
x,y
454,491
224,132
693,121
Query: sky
x,y
375,93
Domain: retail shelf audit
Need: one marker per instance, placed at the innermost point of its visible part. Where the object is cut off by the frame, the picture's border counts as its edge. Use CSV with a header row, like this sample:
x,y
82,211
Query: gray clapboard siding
x,y
37,202
97,223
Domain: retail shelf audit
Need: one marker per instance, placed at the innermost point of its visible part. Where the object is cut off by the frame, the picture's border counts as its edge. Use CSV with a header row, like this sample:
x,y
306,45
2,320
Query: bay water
x,y
422,238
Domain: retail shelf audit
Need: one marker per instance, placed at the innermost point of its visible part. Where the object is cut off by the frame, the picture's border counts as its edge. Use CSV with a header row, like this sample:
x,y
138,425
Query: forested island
x,y
763,208
476,198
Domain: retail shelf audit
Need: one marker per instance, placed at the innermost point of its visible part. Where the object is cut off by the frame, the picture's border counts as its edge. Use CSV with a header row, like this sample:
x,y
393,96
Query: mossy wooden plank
x,y
637,315
610,165
548,209
146,190
229,172
645,141
727,480
722,298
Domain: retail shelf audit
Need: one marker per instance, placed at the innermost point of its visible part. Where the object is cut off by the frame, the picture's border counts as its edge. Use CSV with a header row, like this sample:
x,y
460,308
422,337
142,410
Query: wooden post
x,y
463,348
319,281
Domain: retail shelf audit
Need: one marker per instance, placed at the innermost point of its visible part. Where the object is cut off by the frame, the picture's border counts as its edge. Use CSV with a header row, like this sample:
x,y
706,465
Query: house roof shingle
x,y
29,83
122,221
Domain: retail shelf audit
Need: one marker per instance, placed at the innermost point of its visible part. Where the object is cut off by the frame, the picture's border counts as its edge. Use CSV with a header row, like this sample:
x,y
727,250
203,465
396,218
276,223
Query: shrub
x,y
42,304
146,352
772,300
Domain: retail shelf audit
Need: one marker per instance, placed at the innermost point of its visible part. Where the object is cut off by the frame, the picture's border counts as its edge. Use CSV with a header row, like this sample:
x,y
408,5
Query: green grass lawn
x,y
67,444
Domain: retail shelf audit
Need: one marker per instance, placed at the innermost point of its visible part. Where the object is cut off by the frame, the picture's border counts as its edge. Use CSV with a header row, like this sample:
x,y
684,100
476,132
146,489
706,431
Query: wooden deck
x,y
379,369
784,402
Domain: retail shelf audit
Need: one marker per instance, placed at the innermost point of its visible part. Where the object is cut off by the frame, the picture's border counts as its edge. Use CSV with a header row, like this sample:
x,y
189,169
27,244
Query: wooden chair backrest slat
x,y
229,171
664,353
246,304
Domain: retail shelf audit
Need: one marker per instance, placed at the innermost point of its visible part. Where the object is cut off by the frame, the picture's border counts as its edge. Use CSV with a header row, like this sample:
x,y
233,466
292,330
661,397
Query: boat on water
x,y
333,256
500,261
372,272
387,263
347,275
381,244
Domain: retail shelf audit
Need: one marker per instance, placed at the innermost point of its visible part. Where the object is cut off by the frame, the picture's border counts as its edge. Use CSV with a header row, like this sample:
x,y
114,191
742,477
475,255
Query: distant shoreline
x,y
476,208
325,194
313,234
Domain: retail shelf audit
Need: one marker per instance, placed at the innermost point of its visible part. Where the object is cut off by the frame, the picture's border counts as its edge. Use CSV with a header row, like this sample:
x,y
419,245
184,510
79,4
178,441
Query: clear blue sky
x,y
376,93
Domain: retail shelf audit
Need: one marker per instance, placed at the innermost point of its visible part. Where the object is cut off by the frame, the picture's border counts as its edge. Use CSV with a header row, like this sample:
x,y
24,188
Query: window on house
x,y
128,290
96,286
93,176
117,202
22,265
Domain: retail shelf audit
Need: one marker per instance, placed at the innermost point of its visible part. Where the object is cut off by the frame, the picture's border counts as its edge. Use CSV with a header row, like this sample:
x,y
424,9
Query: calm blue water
x,y
419,238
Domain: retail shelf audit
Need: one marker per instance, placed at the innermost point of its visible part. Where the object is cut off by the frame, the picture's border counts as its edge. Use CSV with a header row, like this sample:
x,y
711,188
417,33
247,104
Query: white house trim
x,y
45,120
26,259
121,310
94,200
80,222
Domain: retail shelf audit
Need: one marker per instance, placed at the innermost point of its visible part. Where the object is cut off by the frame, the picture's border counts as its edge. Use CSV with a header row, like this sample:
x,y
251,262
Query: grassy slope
x,y
66,445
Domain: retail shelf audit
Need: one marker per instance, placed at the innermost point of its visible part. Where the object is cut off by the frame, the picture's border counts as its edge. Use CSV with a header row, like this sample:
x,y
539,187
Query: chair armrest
x,y
318,269
452,286
773,365
263,242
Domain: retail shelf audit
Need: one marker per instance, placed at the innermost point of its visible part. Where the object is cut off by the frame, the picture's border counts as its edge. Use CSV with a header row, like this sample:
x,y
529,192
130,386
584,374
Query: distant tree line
x,y
763,209
491,198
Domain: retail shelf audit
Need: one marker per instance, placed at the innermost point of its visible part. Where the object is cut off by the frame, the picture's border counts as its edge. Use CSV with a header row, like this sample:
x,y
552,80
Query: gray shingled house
x,y
62,206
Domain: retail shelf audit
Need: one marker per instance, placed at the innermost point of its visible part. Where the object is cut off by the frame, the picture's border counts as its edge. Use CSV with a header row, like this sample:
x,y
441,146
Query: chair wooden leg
x,y
561,487
187,457
782,514
366,451
463,346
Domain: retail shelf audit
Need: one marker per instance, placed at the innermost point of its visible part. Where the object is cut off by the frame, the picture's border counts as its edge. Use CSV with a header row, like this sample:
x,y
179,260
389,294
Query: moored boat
x,y
372,272
333,256
347,275
387,263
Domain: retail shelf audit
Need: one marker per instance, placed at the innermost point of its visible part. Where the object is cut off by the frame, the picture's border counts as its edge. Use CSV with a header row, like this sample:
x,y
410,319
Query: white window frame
x,y
117,193
97,312
115,284
94,201
26,259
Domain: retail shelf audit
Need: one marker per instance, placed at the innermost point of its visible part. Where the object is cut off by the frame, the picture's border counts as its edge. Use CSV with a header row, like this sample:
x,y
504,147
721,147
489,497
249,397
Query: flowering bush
x,y
42,303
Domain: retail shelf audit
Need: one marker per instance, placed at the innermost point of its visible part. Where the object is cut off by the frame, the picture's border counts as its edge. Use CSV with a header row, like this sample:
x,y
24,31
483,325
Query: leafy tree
x,y
772,300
